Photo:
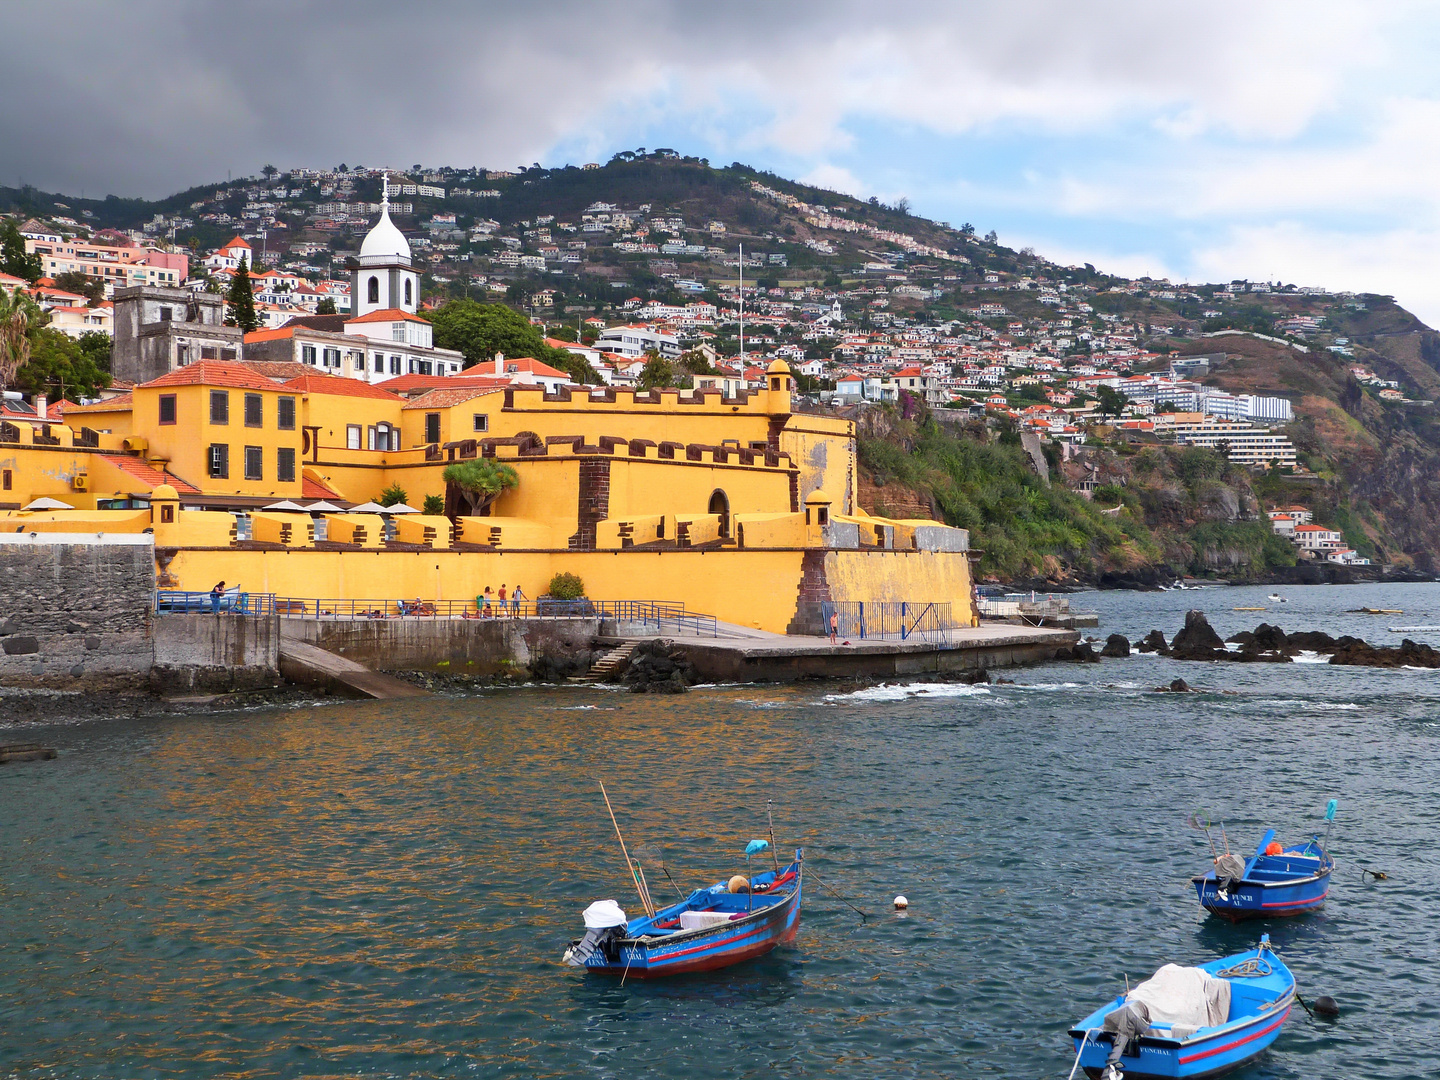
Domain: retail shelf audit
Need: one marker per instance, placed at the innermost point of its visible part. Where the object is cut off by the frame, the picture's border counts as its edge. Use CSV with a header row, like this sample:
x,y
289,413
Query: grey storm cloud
x,y
144,97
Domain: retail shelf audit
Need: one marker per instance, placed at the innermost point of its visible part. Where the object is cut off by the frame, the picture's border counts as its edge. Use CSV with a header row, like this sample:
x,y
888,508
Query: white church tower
x,y
384,278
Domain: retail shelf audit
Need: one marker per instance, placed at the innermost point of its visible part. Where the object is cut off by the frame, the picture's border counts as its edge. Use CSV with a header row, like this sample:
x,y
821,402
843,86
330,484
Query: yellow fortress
x,y
736,507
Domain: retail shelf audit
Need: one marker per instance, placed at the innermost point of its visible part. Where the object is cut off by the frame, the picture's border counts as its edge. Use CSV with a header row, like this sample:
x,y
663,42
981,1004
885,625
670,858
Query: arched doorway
x,y
720,504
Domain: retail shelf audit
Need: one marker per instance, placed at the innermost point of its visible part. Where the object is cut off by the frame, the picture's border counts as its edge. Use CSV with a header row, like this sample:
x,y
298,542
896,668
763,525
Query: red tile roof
x,y
215,373
151,476
387,315
446,396
406,384
318,383
114,404
311,488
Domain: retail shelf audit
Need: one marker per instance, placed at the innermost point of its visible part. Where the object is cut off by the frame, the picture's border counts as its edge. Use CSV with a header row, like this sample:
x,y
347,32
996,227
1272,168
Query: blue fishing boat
x,y
1275,882
729,922
1189,1022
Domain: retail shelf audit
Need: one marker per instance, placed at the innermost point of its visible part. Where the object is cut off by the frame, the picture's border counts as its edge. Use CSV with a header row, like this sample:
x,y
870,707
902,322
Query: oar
x,y
1264,843
633,876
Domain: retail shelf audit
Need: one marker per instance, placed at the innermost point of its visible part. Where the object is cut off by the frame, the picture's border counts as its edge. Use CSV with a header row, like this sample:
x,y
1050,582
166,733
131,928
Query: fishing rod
x,y
639,889
771,816
833,892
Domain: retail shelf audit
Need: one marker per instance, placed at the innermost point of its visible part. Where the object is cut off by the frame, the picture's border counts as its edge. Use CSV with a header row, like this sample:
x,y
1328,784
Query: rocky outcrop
x,y
1116,646
1154,642
1352,652
659,667
1198,640
1082,653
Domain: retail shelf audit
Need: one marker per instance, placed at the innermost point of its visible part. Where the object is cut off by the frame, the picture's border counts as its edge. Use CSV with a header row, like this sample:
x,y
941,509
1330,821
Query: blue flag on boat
x,y
1330,808
754,847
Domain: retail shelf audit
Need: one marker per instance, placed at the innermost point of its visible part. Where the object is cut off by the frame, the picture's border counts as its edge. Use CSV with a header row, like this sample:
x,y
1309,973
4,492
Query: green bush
x,y
566,587
434,504
393,495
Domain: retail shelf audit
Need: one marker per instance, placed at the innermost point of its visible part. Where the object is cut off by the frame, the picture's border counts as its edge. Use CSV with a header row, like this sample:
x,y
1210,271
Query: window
x,y
285,413
432,427
8,480
227,354
167,514
219,406
219,461
285,465
167,408
307,354
372,293
332,358
352,437
254,410
421,367
359,361
397,332
394,365
408,294
208,352
482,422
379,363
182,354
254,462
166,315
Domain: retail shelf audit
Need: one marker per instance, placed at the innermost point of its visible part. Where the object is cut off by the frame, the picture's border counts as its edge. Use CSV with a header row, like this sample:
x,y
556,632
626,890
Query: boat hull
x,y
1216,1055
706,950
1263,900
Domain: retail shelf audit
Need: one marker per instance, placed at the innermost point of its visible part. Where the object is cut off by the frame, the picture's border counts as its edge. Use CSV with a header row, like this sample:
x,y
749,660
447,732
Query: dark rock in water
x,y
1154,642
1177,686
1269,638
1084,653
1198,640
1310,641
1116,646
658,667
1353,652
1244,637
976,677
1326,1006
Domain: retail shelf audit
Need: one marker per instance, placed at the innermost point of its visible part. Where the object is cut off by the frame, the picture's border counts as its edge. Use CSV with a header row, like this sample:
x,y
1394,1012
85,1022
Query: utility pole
x,y
742,312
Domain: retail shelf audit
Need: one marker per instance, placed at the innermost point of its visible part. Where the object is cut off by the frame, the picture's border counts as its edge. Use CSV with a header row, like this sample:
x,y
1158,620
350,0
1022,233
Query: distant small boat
x,y
1189,1022
711,928
1249,609
1276,598
1274,883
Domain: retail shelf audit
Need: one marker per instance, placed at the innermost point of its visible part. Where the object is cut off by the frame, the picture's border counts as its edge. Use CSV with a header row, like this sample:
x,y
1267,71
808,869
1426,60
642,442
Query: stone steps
x,y
607,664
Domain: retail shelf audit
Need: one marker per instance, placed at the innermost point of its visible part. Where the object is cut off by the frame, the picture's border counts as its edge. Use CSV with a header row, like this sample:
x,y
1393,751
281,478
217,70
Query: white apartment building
x,y
636,341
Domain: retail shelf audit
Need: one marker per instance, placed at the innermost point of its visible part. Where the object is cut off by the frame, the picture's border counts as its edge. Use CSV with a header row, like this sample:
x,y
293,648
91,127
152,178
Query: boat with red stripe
x,y
1189,1022
715,927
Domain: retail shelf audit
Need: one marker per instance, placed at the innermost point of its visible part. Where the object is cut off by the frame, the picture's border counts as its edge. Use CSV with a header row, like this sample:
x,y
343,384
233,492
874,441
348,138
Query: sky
x,y
1201,142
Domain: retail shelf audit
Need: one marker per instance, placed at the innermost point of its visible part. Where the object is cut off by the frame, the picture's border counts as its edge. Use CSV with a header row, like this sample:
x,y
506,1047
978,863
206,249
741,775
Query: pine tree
x,y
240,301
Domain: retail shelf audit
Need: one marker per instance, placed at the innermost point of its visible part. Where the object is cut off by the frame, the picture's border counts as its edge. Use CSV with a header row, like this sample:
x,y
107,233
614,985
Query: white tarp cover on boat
x,y
1184,997
696,920
604,914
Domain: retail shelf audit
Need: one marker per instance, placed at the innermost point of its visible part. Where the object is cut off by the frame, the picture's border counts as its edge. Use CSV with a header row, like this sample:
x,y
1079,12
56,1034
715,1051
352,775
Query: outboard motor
x,y
605,924
1128,1023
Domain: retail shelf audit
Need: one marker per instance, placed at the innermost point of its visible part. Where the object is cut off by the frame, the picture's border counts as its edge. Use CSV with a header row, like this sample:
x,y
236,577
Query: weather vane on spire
x,y
385,190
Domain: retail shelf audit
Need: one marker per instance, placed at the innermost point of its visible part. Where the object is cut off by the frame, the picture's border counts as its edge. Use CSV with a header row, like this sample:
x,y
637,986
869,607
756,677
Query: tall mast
x,y
742,311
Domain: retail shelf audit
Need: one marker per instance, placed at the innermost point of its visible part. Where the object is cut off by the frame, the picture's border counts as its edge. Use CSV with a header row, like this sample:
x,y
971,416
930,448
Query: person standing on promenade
x,y
485,610
215,596
515,598
834,627
501,596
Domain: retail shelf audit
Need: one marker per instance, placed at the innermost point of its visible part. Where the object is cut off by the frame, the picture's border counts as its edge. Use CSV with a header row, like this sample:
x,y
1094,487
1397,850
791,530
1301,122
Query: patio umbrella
x,y
323,507
399,508
46,503
283,504
368,508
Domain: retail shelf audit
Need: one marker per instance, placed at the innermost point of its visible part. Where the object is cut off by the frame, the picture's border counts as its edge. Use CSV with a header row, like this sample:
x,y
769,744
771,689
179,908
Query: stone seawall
x,y
76,613
481,648
215,653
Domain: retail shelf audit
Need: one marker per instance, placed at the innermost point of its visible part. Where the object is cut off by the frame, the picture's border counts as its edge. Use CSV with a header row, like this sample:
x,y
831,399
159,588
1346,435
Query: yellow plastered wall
x,y
102,417
771,530
76,521
894,576
643,486
367,530
823,449
509,532
292,530
37,471
186,443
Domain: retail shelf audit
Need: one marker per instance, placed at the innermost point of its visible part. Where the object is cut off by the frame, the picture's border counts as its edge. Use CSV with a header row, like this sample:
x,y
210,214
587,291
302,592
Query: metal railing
x,y
657,614
902,620
233,602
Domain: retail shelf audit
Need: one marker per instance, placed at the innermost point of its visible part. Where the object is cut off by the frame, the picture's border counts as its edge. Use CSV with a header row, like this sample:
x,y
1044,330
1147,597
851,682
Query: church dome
x,y
385,242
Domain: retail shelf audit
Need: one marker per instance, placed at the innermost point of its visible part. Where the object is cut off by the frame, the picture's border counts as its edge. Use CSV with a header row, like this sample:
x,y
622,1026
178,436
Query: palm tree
x,y
474,485
19,314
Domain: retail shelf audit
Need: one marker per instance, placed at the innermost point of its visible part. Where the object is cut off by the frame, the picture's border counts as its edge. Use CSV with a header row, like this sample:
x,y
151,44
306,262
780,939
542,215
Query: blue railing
x,y
657,614
893,620
234,602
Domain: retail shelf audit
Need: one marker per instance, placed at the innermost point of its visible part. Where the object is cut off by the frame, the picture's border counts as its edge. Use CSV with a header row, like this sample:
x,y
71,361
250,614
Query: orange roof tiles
x,y
386,315
148,474
215,373
318,383
446,396
311,488
117,403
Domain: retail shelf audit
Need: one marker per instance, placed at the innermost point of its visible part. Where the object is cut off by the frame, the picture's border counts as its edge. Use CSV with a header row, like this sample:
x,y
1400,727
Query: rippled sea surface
x,y
384,889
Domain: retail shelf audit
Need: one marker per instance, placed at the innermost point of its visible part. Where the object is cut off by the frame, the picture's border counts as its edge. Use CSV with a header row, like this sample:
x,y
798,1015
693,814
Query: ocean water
x,y
385,889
